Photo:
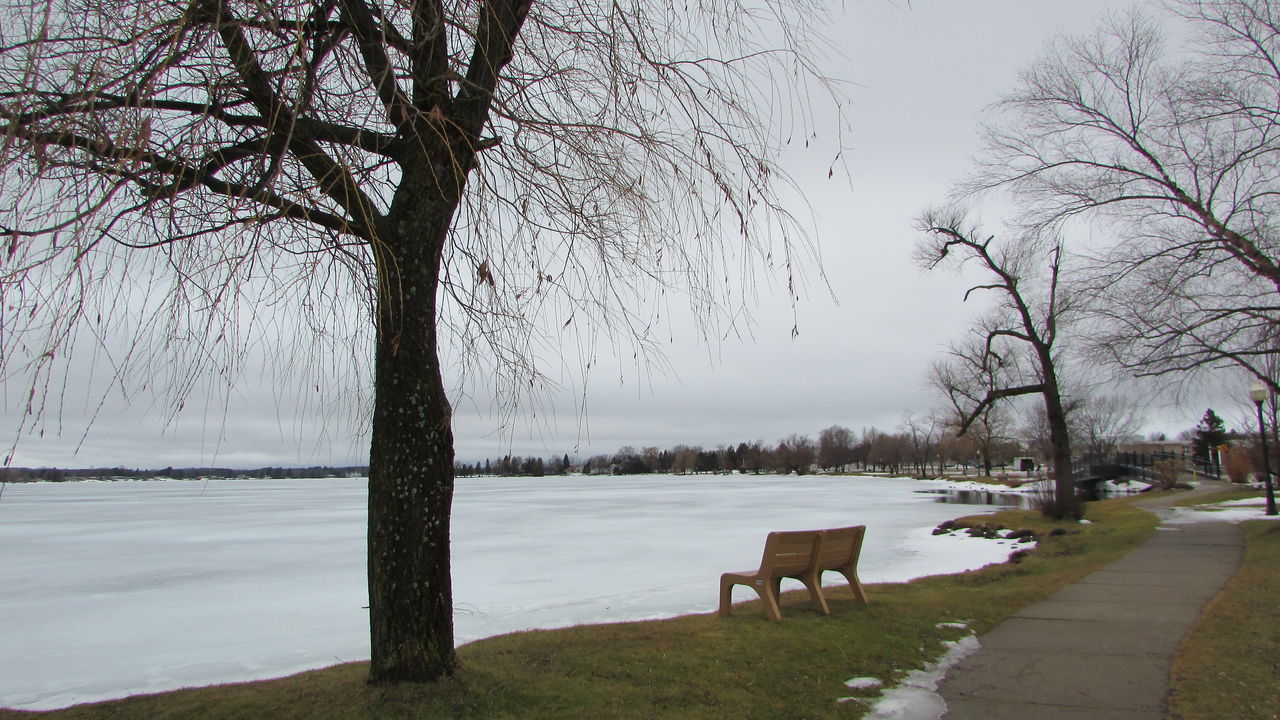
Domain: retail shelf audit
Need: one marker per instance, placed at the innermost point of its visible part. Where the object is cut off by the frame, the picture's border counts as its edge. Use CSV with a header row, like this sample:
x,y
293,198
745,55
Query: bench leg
x,y
851,574
766,589
726,596
813,581
769,594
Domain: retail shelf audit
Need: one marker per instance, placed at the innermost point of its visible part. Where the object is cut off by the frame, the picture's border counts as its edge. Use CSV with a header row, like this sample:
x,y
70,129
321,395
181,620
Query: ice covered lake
x,y
118,588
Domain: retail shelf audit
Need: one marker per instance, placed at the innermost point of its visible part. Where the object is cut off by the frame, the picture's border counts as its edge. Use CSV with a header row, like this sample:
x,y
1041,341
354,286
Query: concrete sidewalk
x,y
1100,648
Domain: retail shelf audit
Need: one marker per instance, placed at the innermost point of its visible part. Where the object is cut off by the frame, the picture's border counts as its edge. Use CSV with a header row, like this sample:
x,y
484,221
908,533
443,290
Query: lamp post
x,y
1259,395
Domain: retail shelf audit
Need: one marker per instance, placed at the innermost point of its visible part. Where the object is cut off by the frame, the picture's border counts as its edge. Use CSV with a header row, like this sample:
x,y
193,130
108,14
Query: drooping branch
x,y
138,166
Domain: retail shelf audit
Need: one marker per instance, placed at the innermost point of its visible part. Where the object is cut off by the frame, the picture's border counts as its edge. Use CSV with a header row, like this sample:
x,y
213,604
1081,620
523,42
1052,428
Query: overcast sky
x,y
920,77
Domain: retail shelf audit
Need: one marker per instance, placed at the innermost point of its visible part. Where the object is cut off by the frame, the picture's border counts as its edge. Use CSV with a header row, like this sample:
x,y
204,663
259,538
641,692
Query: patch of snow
x,y
1130,487
956,625
1234,511
862,683
117,588
915,698
1244,502
1085,521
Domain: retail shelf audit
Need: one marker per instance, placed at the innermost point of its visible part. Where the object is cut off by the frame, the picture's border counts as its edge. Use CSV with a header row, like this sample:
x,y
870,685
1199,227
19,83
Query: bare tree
x,y
1104,421
1036,432
964,378
407,176
886,451
835,447
1026,321
795,453
1175,152
922,433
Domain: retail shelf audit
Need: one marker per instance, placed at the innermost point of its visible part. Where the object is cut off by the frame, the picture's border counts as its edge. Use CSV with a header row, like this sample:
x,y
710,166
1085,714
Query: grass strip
x,y
695,666
1228,667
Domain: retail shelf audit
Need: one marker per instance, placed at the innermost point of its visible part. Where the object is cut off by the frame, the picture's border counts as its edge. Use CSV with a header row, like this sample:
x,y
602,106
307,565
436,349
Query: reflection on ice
x,y
1002,500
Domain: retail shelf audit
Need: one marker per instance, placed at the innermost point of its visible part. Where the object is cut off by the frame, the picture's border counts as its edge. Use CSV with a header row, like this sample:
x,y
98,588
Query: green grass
x,y
1228,666
697,666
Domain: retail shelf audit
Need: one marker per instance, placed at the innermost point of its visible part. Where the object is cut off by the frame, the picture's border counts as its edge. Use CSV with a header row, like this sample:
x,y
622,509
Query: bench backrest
x,y
839,547
789,553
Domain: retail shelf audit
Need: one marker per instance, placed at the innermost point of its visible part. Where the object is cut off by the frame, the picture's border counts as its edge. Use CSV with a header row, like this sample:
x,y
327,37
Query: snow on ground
x,y
117,588
915,697
1031,486
1230,511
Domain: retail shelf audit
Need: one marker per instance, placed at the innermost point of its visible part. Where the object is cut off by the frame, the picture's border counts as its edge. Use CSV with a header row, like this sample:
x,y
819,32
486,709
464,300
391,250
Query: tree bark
x,y
1065,502
410,461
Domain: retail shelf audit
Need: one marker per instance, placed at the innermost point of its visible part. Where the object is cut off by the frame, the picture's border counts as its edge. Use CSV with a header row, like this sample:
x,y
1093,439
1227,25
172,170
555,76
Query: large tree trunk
x,y
410,464
1065,502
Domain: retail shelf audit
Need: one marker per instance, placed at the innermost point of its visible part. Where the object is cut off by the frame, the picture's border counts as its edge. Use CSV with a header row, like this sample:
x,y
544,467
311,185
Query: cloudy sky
x,y
920,77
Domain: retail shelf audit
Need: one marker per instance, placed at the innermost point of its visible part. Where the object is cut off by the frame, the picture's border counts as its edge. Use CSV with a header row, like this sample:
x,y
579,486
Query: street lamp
x,y
1259,395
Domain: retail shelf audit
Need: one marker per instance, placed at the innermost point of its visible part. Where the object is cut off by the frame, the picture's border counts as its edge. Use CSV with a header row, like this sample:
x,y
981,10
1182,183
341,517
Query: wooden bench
x,y
803,555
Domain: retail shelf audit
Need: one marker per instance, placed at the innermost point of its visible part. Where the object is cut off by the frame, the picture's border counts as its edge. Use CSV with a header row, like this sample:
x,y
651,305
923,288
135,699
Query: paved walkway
x,y
1100,648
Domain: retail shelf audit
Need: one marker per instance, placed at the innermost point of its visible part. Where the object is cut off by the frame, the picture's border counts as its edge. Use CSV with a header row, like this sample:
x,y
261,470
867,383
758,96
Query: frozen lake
x,y
118,588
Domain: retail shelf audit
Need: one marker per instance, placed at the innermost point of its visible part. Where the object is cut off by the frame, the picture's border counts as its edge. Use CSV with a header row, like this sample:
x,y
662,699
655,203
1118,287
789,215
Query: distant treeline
x,y
17,475
794,454
918,446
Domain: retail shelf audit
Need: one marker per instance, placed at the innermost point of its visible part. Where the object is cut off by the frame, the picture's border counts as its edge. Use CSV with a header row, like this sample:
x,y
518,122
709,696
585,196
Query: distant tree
x,y
862,449
964,377
1106,421
665,459
629,464
686,460
751,457
707,461
887,452
632,461
1034,432
1209,434
954,449
728,455
835,447
921,433
649,456
796,453
598,464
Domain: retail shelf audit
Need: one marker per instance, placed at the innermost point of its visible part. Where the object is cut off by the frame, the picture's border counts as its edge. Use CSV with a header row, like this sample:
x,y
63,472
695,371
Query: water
x,y
1013,501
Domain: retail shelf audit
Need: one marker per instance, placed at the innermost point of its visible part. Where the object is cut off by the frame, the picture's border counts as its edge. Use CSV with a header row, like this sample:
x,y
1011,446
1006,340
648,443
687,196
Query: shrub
x,y
1166,473
1238,464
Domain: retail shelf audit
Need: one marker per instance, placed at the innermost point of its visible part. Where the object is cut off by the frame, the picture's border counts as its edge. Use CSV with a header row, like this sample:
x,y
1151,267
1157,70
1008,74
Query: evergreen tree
x,y
1209,434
